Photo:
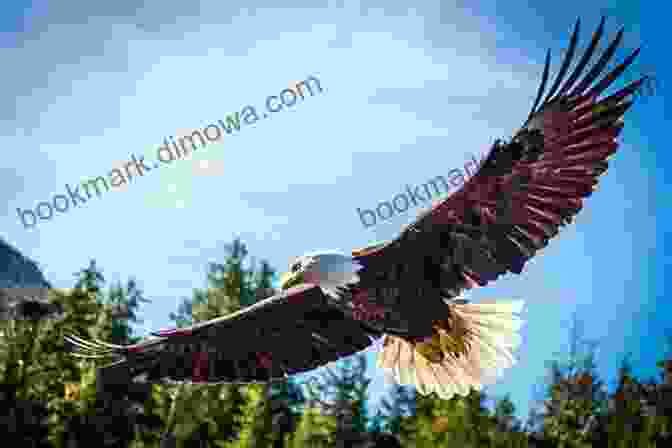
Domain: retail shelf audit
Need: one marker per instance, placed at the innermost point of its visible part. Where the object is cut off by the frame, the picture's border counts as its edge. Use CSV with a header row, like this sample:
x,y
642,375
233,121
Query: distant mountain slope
x,y
16,270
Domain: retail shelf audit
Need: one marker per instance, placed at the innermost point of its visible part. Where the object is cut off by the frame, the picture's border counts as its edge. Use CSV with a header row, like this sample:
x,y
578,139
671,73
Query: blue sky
x,y
409,93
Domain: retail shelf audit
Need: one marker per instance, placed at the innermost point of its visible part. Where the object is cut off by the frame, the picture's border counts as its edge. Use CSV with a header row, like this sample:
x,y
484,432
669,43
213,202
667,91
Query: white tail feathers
x,y
491,338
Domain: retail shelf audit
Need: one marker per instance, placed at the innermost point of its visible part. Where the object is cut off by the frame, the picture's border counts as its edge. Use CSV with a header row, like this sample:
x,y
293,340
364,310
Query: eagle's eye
x,y
296,266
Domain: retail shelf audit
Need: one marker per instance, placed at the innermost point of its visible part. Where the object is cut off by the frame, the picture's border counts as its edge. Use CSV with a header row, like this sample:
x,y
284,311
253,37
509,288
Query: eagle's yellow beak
x,y
289,279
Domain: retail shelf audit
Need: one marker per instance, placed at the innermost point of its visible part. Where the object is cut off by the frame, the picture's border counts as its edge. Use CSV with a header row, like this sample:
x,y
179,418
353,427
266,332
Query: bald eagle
x,y
408,292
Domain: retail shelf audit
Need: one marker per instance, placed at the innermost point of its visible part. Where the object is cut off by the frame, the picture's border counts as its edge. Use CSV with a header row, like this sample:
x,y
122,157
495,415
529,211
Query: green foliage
x,y
576,397
341,393
124,303
400,404
315,429
275,414
216,412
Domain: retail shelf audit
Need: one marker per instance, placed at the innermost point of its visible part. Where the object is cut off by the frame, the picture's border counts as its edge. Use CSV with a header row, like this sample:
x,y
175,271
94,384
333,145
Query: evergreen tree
x,y
84,315
417,429
114,416
460,421
377,424
20,414
341,393
315,430
507,431
277,405
50,399
225,409
505,415
124,305
479,427
384,440
576,397
395,408
624,413
276,411
270,404
288,400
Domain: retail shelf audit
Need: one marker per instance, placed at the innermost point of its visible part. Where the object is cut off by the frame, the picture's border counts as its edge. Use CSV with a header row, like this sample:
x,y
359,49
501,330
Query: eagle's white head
x,y
327,269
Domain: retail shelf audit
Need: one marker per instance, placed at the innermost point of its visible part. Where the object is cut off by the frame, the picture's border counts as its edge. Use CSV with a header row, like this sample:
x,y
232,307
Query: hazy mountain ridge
x,y
17,270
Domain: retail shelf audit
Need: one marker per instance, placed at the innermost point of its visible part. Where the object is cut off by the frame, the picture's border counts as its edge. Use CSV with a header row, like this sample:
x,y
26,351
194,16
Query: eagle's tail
x,y
467,350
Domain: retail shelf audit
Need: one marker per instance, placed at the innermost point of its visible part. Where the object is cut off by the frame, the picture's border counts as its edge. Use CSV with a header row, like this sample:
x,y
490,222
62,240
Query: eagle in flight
x,y
408,292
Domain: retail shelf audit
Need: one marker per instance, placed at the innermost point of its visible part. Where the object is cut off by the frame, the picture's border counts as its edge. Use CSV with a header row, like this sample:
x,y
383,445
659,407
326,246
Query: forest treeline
x,y
51,399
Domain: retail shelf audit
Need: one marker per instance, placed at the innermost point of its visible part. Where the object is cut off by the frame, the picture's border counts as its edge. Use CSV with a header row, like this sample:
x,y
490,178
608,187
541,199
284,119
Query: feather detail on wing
x,y
292,332
526,190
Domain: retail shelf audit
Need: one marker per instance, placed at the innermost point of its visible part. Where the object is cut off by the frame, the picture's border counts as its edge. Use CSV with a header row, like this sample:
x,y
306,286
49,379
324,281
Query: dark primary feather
x,y
597,35
523,193
544,80
299,328
566,62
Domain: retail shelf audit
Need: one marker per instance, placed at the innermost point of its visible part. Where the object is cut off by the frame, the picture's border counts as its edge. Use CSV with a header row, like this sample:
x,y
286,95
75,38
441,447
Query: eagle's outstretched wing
x,y
292,332
522,194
